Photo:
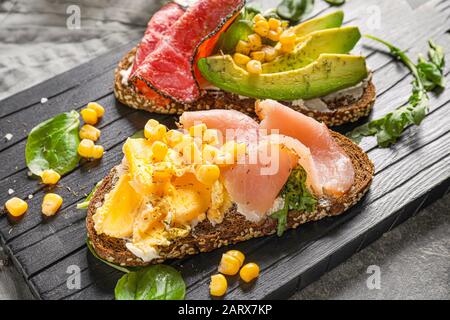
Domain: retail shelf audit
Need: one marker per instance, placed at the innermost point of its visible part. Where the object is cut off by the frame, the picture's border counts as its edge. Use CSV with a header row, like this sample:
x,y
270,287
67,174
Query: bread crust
x,y
345,112
234,228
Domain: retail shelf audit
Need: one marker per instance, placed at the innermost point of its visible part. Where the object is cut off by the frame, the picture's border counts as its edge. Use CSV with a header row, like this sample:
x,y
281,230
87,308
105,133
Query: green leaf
x,y
53,144
85,203
158,282
335,2
294,10
138,134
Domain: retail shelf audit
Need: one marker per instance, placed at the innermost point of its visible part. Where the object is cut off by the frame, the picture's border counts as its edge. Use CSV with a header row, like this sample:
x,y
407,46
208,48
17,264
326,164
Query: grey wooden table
x,y
414,258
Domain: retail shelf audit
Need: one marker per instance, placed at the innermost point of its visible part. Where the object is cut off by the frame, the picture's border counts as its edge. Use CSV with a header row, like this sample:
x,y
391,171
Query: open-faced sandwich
x,y
218,54
222,178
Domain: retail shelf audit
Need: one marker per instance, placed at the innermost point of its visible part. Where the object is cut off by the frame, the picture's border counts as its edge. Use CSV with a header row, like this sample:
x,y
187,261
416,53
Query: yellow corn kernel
x,y
229,265
154,133
243,47
249,272
287,47
218,285
86,148
254,41
197,130
262,28
97,152
89,116
50,176
284,24
258,55
191,153
234,149
97,108
259,17
209,153
288,37
159,151
89,132
207,173
240,58
270,53
16,206
51,204
274,24
162,171
273,35
238,255
211,136
173,137
254,66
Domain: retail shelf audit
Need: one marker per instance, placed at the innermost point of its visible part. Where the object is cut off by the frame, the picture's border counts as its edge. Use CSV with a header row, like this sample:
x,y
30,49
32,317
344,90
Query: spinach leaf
x,y
294,10
158,282
296,196
428,74
53,144
85,203
335,2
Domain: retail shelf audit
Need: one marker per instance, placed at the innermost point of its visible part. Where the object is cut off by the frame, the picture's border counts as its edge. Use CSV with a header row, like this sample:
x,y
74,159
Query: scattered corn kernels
x,y
50,176
16,206
243,47
273,35
211,136
254,66
240,58
159,151
258,55
156,132
51,204
191,153
89,132
287,47
89,116
274,24
207,173
209,153
97,108
249,272
259,17
229,265
173,137
86,148
236,150
97,152
218,285
254,41
238,255
262,28
270,53
197,130
288,37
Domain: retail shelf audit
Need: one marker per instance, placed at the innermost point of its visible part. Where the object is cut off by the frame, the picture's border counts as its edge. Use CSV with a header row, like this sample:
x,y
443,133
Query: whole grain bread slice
x,y
343,111
234,228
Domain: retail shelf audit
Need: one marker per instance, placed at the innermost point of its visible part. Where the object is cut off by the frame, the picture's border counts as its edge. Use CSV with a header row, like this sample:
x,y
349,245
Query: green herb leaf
x,y
296,196
158,282
294,10
53,144
427,76
85,203
335,2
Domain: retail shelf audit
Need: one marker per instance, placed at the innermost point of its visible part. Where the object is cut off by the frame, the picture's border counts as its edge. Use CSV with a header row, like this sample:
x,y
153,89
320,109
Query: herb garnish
x,y
294,10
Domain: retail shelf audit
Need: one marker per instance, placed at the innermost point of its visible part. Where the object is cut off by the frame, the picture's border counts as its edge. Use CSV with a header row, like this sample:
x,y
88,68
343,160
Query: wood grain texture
x,y
408,176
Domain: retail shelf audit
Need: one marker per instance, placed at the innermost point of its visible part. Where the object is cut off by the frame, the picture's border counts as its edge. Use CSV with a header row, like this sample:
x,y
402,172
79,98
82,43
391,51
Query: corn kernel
x,y
159,151
258,17
254,41
262,28
51,204
97,108
240,58
86,148
243,47
288,37
197,130
97,152
229,265
238,255
273,35
270,53
173,137
162,171
249,272
154,133
89,116
274,24
236,150
16,206
50,176
207,173
254,66
211,136
89,132
287,47
192,153
209,153
258,55
218,285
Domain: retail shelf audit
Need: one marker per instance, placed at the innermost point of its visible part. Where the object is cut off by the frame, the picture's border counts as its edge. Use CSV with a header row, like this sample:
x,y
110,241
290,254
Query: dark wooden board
x,y
409,175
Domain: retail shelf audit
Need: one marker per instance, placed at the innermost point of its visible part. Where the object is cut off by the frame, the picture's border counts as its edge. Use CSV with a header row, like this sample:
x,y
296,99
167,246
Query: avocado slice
x,y
332,20
329,73
335,40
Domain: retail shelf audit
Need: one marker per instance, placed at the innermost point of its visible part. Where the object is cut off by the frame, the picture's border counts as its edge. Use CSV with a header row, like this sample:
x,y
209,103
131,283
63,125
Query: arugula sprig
x,y
296,196
428,75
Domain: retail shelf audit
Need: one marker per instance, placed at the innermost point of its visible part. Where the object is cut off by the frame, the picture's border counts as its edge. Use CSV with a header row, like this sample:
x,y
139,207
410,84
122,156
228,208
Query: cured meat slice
x,y
168,69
